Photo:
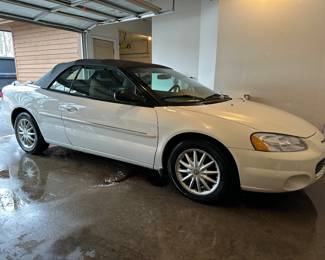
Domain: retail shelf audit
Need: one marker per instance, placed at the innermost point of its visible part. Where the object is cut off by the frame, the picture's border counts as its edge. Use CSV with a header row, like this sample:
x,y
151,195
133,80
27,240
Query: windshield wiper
x,y
184,96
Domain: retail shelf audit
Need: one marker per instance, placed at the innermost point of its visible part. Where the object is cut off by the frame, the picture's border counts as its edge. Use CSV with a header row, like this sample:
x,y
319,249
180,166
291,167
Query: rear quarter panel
x,y
19,96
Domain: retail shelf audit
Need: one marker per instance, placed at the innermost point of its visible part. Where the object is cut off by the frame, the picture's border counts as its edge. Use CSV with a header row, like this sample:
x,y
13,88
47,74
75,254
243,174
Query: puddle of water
x,y
10,152
4,129
29,172
57,174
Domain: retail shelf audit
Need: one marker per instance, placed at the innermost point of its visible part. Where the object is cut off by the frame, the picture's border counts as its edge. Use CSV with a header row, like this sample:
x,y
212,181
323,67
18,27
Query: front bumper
x,y
281,171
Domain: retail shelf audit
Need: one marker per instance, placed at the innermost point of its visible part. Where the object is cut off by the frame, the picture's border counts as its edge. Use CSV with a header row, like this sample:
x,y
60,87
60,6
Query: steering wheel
x,y
175,88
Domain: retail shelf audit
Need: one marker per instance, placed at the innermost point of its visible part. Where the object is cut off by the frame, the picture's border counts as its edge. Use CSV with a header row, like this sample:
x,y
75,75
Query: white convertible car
x,y
152,116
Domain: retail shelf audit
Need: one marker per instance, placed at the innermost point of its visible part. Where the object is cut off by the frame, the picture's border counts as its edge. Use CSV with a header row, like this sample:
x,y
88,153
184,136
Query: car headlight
x,y
269,142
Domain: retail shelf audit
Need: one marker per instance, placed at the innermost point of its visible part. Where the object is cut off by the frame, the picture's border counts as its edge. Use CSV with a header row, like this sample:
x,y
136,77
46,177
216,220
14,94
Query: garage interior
x,y
70,205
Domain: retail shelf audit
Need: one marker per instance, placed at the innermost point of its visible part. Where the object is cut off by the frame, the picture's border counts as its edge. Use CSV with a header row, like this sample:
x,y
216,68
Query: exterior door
x,y
103,49
96,122
49,109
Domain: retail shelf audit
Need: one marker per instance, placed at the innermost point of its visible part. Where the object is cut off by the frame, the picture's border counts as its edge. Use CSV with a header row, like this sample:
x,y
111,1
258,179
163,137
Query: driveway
x,y
71,205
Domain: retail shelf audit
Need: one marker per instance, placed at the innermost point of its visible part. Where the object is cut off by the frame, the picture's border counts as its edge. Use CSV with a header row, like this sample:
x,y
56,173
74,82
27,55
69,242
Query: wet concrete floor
x,y
70,205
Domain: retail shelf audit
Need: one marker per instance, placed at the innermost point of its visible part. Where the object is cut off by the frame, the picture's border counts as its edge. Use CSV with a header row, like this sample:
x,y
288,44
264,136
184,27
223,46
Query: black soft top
x,y
48,78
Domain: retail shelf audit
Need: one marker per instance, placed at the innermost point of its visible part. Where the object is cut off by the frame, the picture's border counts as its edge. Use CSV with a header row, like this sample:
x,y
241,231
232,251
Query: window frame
x,y
64,71
149,99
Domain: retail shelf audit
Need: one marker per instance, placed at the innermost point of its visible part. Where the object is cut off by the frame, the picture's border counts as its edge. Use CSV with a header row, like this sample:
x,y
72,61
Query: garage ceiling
x,y
76,15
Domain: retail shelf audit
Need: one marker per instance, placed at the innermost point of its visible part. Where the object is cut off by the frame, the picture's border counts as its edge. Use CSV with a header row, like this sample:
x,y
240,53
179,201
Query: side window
x,y
101,83
64,82
81,84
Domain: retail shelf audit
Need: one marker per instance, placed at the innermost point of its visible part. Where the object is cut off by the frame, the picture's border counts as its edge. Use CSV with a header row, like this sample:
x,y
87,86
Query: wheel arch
x,y
17,111
40,145
172,142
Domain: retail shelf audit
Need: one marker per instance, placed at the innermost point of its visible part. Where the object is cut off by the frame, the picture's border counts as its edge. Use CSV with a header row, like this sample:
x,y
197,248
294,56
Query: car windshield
x,y
173,87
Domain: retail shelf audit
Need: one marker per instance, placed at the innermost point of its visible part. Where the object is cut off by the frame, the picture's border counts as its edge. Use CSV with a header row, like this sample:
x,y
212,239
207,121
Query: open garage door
x,y
77,15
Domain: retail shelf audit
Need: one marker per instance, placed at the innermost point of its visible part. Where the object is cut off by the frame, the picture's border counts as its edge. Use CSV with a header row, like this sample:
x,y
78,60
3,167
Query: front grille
x,y
320,166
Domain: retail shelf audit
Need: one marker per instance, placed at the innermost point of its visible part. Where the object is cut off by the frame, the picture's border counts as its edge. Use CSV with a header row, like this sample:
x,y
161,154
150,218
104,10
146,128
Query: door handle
x,y
69,108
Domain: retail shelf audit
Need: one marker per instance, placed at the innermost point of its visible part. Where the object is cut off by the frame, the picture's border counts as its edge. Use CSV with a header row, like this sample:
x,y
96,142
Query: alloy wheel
x,y
26,133
197,171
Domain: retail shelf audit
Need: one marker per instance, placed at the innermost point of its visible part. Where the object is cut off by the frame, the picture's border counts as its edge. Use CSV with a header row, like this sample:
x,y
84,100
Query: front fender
x,y
173,121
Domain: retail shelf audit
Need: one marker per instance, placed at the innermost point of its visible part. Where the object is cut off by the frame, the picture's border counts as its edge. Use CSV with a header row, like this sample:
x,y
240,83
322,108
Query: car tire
x,y
28,135
190,177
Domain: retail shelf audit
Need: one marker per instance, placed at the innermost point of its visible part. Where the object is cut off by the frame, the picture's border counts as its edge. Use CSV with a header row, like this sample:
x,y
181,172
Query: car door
x,y
49,106
96,122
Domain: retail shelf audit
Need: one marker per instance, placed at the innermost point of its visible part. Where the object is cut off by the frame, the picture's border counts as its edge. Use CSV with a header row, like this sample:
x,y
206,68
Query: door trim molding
x,y
113,128
50,115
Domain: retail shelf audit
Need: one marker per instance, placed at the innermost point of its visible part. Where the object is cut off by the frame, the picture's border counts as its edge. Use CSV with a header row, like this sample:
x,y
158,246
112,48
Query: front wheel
x,y
200,170
28,134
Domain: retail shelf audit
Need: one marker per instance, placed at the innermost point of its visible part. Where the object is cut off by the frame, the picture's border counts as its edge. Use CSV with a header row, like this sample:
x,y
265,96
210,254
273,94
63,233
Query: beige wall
x,y
110,32
275,51
139,47
39,48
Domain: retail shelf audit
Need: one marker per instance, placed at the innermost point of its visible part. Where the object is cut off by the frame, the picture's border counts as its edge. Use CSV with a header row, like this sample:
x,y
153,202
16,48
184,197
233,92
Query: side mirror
x,y
127,96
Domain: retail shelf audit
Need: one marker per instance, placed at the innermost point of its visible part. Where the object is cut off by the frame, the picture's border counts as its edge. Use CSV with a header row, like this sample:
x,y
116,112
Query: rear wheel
x,y
28,134
201,171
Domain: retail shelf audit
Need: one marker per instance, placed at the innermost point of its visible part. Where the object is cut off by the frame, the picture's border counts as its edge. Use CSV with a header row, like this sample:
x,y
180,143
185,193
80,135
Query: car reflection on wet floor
x,y
70,205
26,175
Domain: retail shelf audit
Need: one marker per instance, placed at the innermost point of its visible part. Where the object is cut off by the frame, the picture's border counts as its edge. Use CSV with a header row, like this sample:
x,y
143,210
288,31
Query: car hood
x,y
257,116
